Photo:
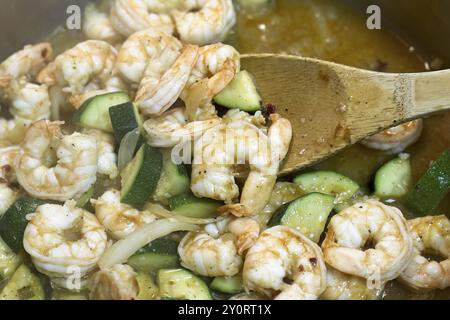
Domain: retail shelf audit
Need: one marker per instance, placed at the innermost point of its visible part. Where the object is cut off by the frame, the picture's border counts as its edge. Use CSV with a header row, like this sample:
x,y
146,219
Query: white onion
x,y
127,148
120,251
162,212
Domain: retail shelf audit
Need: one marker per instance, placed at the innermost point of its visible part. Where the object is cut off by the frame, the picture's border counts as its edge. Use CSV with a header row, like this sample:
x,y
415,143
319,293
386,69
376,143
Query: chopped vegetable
x,y
148,290
230,285
125,118
127,148
23,285
431,189
393,179
181,284
85,197
9,261
161,212
159,254
188,205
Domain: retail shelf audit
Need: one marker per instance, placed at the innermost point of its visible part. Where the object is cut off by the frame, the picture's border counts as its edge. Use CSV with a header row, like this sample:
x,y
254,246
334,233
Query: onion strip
x,y
120,251
127,148
162,212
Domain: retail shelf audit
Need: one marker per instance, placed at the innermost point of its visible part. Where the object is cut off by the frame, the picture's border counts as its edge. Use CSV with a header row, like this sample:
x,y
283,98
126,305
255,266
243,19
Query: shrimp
x,y
107,158
60,239
87,66
130,16
98,26
7,197
285,265
172,128
204,22
431,235
341,286
397,139
369,222
238,142
8,157
218,250
115,283
215,69
52,166
119,219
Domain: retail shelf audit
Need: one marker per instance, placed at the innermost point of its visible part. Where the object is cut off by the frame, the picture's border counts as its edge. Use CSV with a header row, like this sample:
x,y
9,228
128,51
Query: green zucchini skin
x,y
141,176
180,284
160,254
432,188
229,285
188,205
124,118
14,222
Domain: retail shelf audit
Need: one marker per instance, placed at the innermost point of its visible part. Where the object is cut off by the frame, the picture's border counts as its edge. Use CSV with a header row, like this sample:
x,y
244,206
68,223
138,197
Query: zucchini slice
x,y
94,113
393,179
188,205
180,284
241,94
23,285
431,189
125,118
230,285
174,179
9,261
328,182
14,222
309,214
160,254
83,200
140,177
148,290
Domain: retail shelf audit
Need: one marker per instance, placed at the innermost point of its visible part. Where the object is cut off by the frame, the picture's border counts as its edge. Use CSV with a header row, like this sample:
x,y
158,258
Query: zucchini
x,y
159,254
83,200
328,182
140,177
308,215
59,294
125,118
431,189
174,179
180,284
148,290
230,285
14,222
9,261
23,285
94,113
241,94
188,205
393,179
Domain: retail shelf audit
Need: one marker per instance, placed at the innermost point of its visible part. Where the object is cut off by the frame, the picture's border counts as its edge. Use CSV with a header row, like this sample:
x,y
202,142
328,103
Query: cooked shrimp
x,y
397,139
431,235
115,283
130,16
119,219
369,222
62,238
98,26
56,167
7,197
341,286
172,128
218,250
107,158
85,67
8,157
215,69
204,22
223,147
285,265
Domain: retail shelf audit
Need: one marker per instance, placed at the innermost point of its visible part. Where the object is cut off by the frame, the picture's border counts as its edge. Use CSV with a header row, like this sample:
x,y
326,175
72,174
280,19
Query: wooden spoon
x,y
332,106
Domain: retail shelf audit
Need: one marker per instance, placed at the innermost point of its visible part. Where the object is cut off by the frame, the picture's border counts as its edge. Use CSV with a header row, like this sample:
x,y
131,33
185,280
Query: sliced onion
x,y
120,251
55,100
162,212
127,148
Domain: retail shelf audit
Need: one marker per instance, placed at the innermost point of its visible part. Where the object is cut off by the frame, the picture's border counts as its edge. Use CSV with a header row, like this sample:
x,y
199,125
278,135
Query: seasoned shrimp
x,y
172,128
218,250
283,260
130,16
62,238
56,167
397,139
7,197
223,147
8,157
341,286
107,158
215,69
98,26
204,22
431,235
115,283
87,66
119,219
369,222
